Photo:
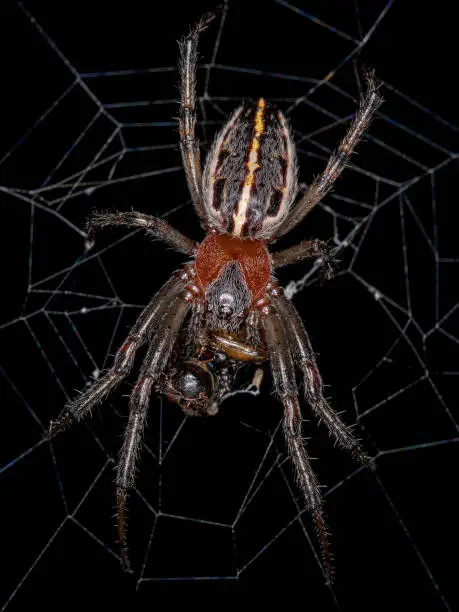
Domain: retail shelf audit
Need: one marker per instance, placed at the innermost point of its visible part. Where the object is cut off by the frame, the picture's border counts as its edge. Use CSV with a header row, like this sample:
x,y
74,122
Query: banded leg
x,y
155,362
338,161
189,144
154,227
284,380
77,408
313,386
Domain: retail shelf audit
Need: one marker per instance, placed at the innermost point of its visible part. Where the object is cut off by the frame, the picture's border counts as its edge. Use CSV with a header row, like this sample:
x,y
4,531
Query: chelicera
x,y
225,309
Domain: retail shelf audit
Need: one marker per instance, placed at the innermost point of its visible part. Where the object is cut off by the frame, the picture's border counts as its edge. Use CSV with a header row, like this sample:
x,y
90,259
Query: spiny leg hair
x,y
77,408
154,364
308,249
189,144
313,386
338,161
154,227
283,371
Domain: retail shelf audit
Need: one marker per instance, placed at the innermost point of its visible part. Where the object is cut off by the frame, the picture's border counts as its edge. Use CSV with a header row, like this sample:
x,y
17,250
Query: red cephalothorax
x,y
219,250
224,310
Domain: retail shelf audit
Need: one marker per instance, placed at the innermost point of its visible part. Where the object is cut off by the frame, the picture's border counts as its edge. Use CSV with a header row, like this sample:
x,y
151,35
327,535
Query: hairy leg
x,y
154,227
77,408
189,144
284,379
309,249
313,386
338,161
193,329
154,364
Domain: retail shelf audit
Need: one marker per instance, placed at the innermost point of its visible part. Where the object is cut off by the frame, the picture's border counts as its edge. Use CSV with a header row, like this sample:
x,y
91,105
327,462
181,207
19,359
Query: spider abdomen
x,y
250,177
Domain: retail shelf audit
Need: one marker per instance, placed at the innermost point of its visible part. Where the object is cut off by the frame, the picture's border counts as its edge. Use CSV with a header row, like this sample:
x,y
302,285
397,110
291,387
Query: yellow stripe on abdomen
x,y
240,214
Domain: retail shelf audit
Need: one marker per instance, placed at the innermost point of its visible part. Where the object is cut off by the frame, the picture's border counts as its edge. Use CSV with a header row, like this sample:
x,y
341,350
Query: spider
x,y
224,308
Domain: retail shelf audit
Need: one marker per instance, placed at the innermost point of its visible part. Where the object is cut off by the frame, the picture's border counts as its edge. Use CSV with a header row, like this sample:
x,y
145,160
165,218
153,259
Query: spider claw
x,y
204,22
366,460
91,227
328,262
326,554
126,563
122,496
95,222
57,426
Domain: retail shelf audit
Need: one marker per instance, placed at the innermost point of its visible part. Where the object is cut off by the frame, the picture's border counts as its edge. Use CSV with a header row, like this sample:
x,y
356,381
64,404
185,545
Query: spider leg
x,y
193,329
313,386
77,408
284,380
338,161
154,364
189,144
308,249
154,227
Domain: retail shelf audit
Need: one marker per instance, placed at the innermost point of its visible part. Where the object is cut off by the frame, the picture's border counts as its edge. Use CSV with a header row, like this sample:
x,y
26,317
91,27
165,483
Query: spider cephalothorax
x,y
224,309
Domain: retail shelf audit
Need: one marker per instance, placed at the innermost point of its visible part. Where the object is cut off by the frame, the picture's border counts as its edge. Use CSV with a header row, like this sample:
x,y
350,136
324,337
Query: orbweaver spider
x,y
225,308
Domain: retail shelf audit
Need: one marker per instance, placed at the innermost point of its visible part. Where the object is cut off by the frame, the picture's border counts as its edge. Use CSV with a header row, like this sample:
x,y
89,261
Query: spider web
x,y
90,107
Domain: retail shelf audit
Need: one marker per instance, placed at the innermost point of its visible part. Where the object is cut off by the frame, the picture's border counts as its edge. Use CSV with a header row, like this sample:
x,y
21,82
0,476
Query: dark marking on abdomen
x,y
275,201
219,188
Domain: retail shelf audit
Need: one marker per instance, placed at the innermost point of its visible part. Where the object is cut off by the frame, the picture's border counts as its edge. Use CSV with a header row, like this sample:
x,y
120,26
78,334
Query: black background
x,y
393,530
